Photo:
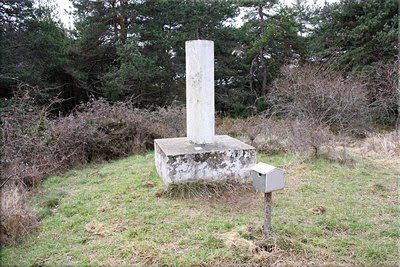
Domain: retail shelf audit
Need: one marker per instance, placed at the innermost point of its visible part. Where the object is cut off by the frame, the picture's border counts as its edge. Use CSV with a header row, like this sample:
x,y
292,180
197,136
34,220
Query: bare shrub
x,y
35,143
99,130
226,125
274,137
271,135
24,135
384,92
260,131
16,219
247,129
325,97
307,137
168,122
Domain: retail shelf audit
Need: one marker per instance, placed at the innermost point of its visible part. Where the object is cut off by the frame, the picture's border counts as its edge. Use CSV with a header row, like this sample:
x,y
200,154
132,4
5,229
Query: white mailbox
x,y
267,178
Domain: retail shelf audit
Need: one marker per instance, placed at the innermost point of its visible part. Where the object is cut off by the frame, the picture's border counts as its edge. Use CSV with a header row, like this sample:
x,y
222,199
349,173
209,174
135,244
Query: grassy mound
x,y
113,214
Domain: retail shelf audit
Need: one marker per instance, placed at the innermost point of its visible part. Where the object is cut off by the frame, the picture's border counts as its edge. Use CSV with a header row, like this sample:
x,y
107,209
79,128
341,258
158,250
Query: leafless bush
x,y
322,96
225,125
169,122
308,137
272,135
250,127
24,134
99,130
260,131
16,219
35,144
384,92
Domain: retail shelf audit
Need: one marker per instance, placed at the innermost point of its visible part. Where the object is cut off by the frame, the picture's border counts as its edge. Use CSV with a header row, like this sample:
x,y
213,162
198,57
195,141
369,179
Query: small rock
x,y
101,209
148,184
318,210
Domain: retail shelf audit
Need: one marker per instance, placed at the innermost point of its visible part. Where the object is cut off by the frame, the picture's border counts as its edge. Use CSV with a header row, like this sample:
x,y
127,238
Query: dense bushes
x,y
384,92
35,144
341,101
325,97
95,131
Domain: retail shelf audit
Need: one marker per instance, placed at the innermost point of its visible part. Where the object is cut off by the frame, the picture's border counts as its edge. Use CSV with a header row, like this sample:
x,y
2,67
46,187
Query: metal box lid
x,y
264,168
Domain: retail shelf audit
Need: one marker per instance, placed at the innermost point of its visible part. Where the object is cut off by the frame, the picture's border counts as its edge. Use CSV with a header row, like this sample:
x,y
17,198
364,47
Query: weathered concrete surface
x,y
179,160
200,91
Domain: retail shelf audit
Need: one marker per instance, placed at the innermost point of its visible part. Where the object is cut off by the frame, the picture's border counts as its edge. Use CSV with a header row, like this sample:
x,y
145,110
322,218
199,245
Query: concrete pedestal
x,y
179,160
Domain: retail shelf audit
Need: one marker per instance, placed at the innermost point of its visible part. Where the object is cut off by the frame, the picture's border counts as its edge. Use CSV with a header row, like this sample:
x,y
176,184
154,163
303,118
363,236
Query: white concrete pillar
x,y
200,91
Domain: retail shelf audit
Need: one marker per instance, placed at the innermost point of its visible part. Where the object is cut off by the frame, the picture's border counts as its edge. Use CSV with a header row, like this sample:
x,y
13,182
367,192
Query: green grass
x,y
102,214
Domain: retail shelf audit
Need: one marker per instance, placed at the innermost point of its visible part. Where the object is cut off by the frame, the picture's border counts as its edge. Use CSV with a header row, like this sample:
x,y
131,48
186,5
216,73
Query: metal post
x,y
267,214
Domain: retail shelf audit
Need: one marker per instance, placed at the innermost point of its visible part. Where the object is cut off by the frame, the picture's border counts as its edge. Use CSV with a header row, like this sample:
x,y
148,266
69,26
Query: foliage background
x,y
124,49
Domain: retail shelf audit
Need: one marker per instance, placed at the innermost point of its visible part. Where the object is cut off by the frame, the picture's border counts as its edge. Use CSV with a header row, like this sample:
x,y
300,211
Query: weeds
x,y
203,189
17,219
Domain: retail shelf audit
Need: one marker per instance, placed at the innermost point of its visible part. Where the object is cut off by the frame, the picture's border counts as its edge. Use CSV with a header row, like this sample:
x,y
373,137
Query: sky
x,y
64,6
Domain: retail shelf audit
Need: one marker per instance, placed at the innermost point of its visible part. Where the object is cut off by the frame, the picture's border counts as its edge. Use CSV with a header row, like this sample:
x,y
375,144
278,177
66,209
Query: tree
x,y
14,13
273,38
144,57
12,19
34,50
353,34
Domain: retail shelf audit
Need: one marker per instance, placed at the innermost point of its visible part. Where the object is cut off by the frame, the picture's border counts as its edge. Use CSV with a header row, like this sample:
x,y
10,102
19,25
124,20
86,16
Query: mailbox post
x,y
267,213
266,179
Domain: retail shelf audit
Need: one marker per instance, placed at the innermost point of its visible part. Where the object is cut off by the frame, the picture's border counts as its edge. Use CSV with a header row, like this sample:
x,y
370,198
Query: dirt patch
x,y
100,229
234,240
97,228
318,210
148,184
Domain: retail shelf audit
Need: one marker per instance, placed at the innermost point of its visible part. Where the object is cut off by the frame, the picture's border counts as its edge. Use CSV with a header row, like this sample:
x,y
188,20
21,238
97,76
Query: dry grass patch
x,y
16,219
203,189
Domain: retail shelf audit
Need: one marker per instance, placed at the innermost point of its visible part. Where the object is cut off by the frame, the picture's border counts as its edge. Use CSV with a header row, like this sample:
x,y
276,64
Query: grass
x,y
111,214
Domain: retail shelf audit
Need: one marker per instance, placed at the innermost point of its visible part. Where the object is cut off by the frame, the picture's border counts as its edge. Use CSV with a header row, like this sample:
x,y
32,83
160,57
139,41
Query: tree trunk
x,y
398,96
115,19
251,75
264,73
122,22
262,59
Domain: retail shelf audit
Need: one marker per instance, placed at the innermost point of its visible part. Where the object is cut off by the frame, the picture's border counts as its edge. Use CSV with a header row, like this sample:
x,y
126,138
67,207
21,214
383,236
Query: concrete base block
x,y
179,160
